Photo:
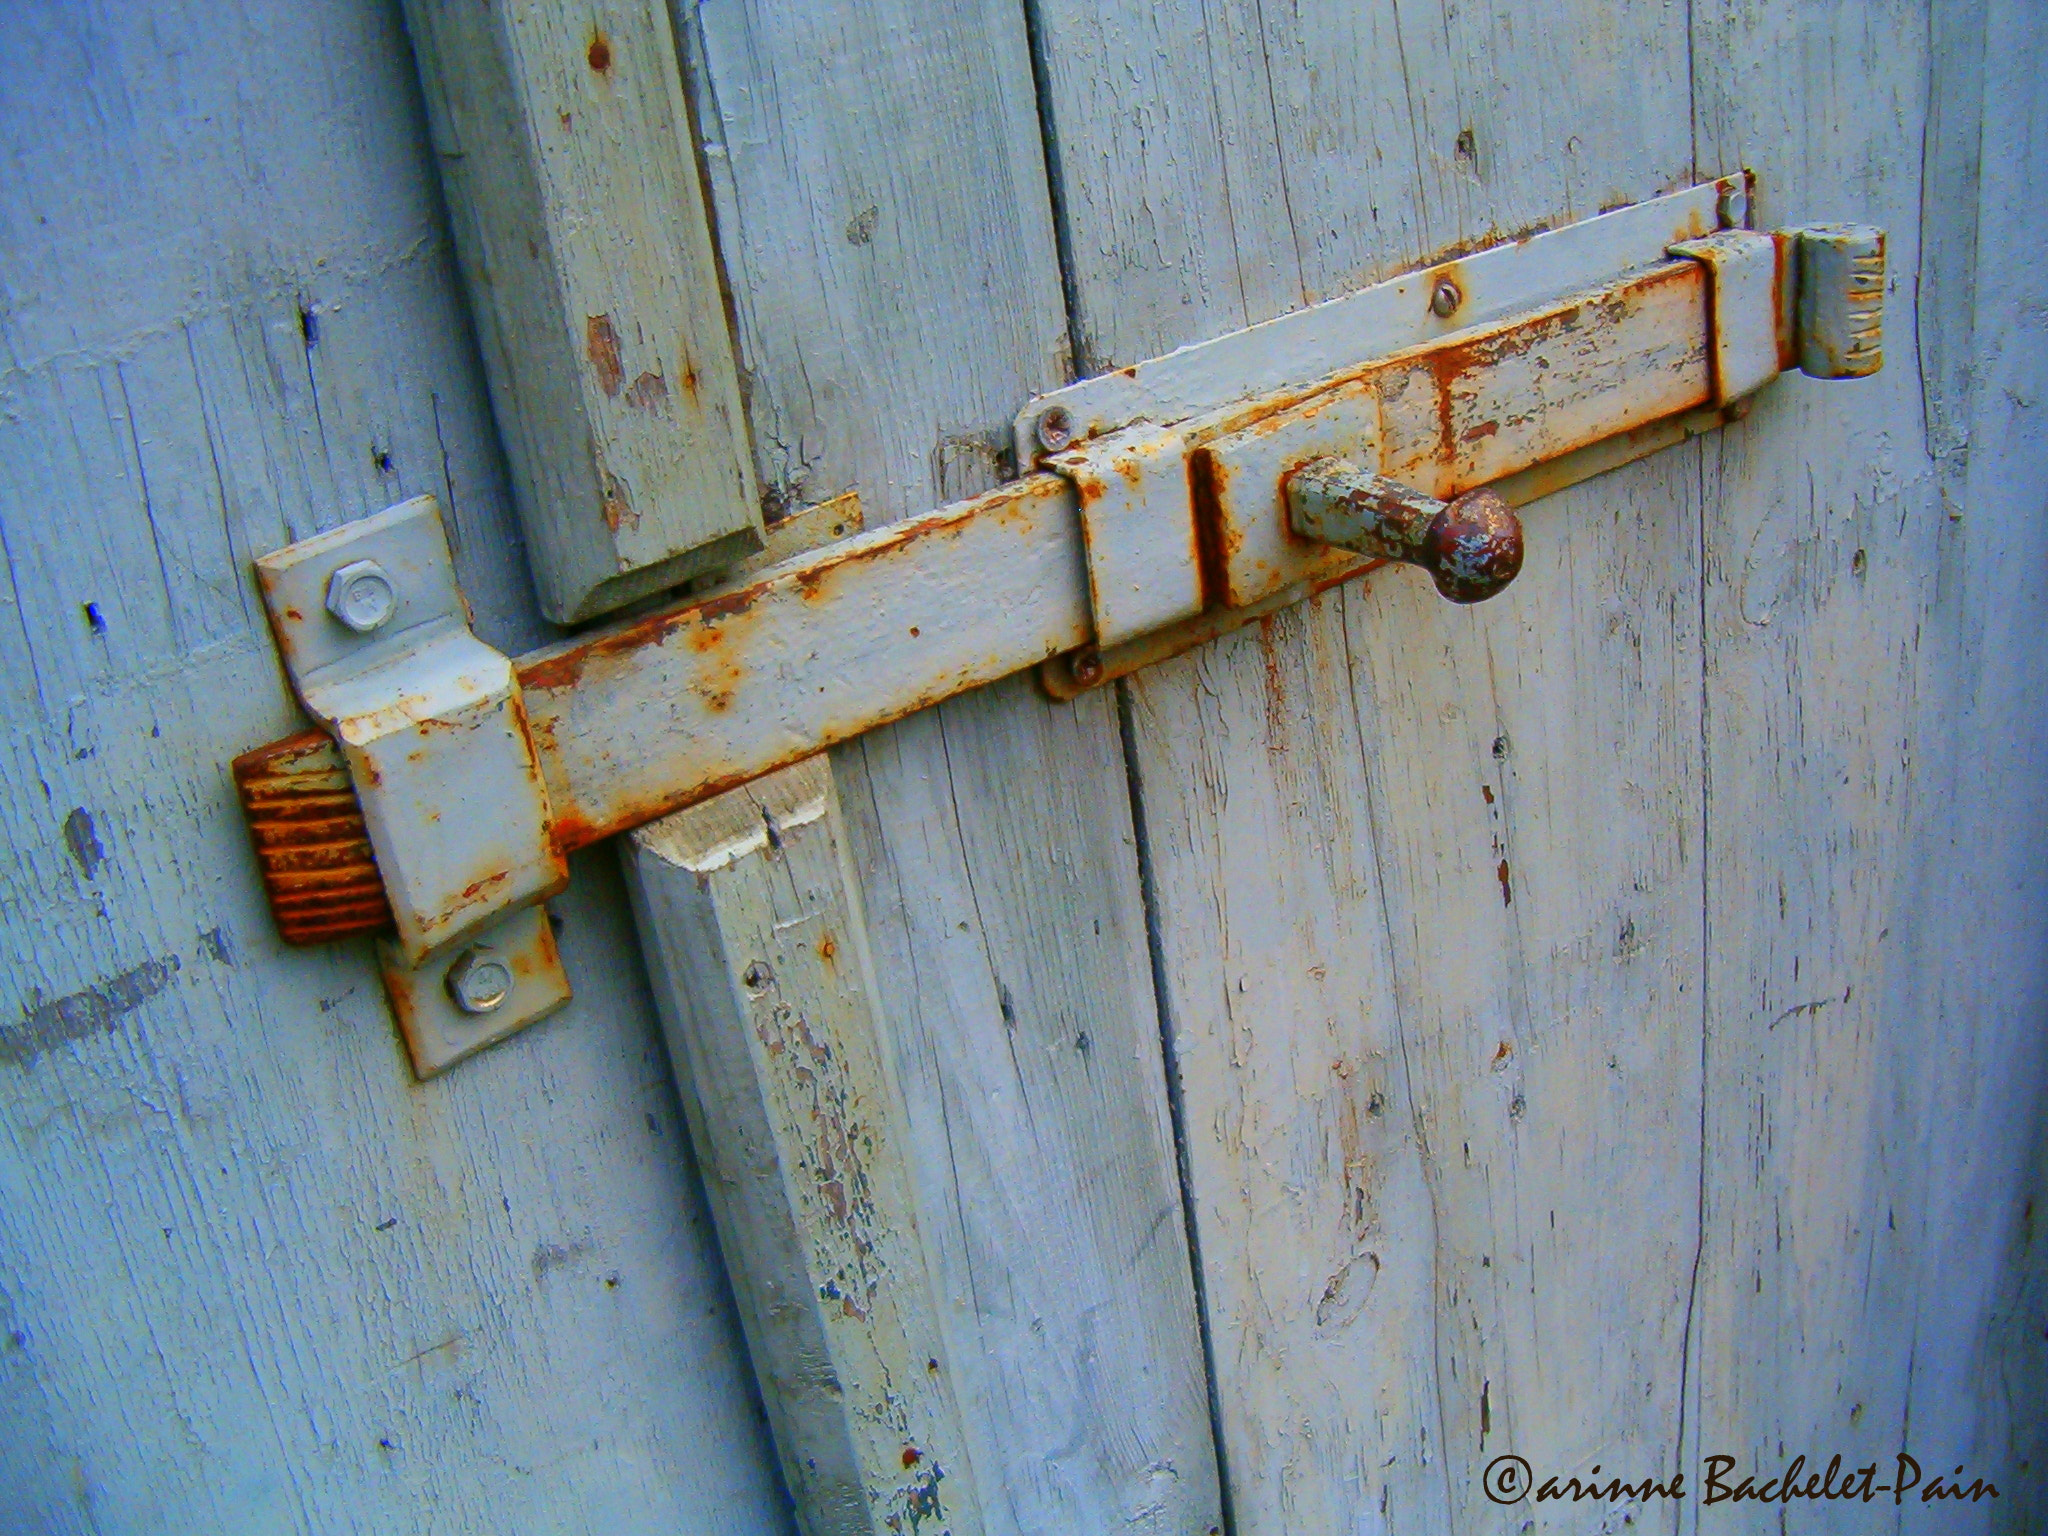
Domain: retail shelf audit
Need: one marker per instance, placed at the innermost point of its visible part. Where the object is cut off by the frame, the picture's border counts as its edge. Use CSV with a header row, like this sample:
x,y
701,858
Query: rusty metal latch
x,y
1165,503
431,726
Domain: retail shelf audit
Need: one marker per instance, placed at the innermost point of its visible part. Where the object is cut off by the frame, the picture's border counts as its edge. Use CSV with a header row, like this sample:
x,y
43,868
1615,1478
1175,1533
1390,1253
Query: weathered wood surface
x,y
881,206
563,139
1449,905
1875,1066
253,1278
757,950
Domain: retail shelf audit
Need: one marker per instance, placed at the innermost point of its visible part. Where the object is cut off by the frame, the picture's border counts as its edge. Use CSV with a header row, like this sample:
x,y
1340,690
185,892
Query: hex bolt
x,y
479,981
361,596
1055,429
1445,298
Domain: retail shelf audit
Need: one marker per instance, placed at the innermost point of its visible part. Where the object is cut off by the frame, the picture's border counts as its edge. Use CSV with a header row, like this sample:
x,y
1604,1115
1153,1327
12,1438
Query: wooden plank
x,y
881,204
1874,1059
1383,1068
564,144
252,1277
758,952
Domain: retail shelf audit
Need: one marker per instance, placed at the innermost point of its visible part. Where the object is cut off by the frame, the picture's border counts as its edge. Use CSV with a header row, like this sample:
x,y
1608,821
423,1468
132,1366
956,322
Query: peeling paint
x,y
95,1010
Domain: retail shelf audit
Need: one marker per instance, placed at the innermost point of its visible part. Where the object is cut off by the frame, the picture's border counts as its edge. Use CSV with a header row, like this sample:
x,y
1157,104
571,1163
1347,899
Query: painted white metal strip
x,y
681,704
1343,332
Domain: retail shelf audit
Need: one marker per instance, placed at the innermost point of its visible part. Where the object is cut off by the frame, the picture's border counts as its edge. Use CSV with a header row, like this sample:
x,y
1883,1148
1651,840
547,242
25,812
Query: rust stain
x,y
1507,893
600,51
312,847
601,346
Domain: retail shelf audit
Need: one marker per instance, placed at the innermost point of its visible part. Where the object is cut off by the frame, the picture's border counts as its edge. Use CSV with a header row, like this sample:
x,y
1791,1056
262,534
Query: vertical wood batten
x,y
253,1278
758,952
882,211
563,140
1875,896
1423,996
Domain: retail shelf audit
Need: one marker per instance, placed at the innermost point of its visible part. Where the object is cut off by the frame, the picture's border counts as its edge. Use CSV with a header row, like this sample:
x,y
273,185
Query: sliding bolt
x,y
362,596
1471,547
479,981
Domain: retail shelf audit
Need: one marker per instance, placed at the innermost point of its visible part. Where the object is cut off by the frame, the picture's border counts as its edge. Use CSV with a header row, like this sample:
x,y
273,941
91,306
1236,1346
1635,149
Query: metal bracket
x,y
431,723
1138,524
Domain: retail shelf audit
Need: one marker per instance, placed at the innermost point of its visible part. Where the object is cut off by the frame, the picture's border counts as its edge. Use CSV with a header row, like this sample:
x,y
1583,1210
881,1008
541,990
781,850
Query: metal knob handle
x,y
1471,547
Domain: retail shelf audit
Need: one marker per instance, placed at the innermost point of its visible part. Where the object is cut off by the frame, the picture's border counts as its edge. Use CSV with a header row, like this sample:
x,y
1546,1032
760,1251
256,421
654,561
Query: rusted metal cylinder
x,y
1471,547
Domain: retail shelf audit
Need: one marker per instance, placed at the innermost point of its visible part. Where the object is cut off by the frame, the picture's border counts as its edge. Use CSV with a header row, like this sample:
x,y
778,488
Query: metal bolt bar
x,y
1471,547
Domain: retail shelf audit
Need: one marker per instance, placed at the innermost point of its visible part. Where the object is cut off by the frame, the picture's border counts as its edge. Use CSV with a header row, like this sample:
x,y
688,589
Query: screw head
x,y
361,596
1445,298
1085,667
479,981
757,976
1055,429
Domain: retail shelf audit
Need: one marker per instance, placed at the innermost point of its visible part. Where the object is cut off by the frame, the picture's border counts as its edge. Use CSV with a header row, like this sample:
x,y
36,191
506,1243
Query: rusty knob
x,y
1471,547
1474,547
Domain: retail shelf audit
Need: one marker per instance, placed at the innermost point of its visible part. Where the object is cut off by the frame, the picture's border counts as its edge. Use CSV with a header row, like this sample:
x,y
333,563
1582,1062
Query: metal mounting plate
x,y
1387,317
437,1032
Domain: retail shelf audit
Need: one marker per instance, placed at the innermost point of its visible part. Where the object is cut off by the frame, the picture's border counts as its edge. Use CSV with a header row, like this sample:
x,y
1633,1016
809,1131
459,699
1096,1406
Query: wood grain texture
x,y
253,1278
1874,1059
563,139
882,211
1222,163
1425,881
757,950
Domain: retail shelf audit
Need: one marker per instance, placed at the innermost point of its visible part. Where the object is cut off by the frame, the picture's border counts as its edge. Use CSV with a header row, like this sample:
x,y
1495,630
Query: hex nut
x,y
361,596
479,981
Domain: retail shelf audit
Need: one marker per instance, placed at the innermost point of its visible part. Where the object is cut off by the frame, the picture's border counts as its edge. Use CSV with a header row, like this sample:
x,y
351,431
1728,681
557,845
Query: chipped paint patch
x,y
95,1010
